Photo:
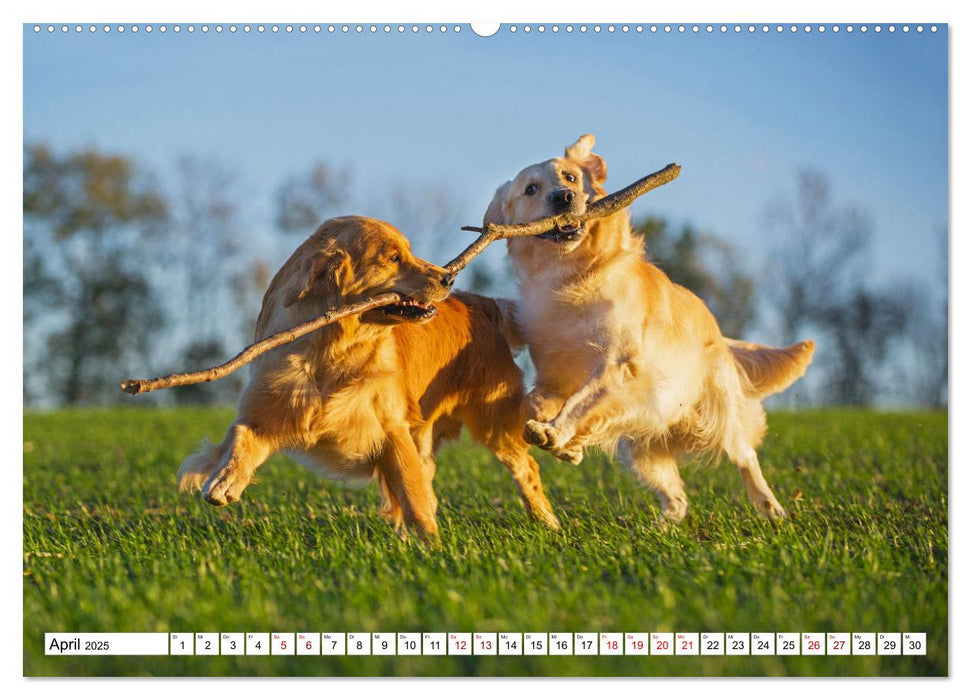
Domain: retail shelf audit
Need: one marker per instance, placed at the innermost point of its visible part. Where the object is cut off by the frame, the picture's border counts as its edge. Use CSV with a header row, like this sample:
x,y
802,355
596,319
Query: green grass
x,y
109,545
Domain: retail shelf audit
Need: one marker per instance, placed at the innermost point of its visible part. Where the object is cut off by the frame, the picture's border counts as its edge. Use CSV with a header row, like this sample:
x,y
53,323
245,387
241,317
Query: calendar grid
x,y
487,644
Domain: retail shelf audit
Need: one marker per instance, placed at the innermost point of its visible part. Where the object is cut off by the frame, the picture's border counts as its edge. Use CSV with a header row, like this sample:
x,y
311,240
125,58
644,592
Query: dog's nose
x,y
562,199
448,279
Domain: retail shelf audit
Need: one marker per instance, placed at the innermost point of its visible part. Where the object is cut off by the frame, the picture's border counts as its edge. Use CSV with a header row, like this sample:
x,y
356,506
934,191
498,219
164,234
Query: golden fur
x,y
373,396
624,357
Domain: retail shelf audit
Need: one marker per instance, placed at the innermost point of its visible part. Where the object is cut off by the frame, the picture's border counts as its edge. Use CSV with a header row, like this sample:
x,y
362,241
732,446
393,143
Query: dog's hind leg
x,y
659,472
407,479
759,493
244,451
525,472
501,433
744,433
425,442
740,422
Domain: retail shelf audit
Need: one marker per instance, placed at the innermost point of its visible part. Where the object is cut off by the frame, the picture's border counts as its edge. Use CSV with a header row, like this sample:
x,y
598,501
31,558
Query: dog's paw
x,y
544,435
771,510
571,455
553,440
225,486
546,516
674,510
536,433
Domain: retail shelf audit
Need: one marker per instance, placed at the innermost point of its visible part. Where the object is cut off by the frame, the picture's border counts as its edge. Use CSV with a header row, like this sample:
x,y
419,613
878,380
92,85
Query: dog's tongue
x,y
568,228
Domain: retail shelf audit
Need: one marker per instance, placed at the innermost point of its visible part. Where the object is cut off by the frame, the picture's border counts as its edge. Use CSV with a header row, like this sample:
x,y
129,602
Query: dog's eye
x,y
570,177
531,189
396,258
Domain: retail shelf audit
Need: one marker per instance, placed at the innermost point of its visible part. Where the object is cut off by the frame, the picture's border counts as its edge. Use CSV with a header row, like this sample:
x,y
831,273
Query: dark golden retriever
x,y
373,396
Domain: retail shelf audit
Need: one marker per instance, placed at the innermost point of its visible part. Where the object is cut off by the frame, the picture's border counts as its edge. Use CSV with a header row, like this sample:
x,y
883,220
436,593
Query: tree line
x,y
124,276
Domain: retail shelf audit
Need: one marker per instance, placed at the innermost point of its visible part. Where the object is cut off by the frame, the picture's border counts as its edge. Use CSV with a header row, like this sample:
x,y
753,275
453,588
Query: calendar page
x,y
562,349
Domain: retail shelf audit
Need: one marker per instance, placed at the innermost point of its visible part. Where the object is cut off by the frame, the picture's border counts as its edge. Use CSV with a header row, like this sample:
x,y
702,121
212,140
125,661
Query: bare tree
x,y
113,314
305,201
708,266
204,255
819,251
929,334
431,216
819,274
930,338
87,216
250,286
862,329
248,289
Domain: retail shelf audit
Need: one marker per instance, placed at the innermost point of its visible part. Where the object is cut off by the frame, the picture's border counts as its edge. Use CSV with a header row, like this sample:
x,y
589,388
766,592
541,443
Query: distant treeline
x,y
126,277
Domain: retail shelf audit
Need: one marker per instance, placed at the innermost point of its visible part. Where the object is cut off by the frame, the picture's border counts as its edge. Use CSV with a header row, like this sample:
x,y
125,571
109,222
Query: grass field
x,y
109,545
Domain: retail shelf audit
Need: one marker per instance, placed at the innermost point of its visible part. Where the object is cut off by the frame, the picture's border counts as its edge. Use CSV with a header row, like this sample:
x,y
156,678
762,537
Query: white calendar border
x,y
959,645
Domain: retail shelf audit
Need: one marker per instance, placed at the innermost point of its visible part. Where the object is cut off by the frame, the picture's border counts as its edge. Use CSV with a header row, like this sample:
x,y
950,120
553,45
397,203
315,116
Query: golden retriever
x,y
624,357
372,396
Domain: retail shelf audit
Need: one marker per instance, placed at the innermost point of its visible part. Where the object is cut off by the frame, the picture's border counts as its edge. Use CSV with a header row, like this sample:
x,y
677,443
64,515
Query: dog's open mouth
x,y
569,232
410,310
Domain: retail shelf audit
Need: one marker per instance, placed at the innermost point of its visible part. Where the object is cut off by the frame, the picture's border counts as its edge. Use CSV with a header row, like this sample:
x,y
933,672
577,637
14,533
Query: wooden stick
x,y
488,234
600,209
140,386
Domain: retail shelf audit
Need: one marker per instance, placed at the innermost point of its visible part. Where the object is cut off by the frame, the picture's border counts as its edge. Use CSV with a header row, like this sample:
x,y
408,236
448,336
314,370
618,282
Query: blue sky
x,y
740,112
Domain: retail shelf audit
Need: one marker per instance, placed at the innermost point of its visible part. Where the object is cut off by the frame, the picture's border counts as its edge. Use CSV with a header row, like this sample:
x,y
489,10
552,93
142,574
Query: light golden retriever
x,y
372,396
624,357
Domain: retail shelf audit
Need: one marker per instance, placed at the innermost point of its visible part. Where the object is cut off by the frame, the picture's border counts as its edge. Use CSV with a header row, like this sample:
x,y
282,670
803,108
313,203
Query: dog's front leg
x,y
557,435
542,406
245,451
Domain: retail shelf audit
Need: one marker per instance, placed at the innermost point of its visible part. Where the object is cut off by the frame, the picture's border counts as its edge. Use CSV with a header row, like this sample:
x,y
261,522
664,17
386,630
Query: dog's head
x,y
556,186
354,258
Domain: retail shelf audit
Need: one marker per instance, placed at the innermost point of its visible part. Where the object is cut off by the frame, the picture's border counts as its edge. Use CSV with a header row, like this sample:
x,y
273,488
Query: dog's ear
x,y
581,148
321,274
495,214
581,152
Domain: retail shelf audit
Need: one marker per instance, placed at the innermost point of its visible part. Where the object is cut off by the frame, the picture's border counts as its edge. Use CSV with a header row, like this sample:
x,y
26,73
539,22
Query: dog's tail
x,y
770,370
509,323
196,468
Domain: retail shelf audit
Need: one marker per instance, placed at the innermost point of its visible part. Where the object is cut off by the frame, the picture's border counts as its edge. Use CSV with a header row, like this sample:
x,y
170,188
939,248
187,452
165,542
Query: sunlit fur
x,y
625,359
369,396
